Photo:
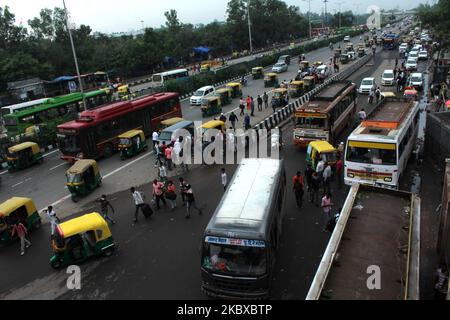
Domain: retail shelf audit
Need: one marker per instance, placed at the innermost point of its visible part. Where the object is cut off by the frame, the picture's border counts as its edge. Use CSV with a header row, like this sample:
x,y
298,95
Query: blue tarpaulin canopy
x,y
201,50
63,78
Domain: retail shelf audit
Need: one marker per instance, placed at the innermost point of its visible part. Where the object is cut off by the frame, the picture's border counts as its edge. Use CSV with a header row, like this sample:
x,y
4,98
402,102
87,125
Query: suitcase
x,y
147,210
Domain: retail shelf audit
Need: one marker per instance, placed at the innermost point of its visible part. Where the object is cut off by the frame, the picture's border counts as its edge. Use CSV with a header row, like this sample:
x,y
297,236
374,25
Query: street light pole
x,y
74,56
340,14
326,18
249,27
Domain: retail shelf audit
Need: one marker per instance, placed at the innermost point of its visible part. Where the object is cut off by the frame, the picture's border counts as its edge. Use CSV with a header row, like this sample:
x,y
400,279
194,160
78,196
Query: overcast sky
x,y
116,16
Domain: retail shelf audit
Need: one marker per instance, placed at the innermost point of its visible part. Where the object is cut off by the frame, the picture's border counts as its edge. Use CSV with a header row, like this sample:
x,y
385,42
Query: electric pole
x,y
325,1
309,17
340,13
249,27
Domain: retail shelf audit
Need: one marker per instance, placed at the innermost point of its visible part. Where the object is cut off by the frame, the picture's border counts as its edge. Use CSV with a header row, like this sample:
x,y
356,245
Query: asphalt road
x,y
160,258
45,183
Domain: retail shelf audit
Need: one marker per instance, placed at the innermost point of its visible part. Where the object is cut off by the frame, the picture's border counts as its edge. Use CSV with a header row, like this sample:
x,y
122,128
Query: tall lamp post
x,y
340,13
309,17
249,27
74,56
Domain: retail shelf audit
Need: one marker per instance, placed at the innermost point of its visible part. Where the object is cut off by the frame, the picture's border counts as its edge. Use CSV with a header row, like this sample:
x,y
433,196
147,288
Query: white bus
x,y
378,150
159,79
22,106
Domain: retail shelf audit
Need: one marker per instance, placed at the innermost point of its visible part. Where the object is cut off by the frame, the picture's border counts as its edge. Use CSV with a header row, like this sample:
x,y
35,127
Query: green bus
x,y
55,111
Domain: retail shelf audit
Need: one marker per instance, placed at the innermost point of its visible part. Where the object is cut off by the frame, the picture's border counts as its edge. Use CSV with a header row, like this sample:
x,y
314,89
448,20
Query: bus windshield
x,y
310,123
372,155
238,260
68,143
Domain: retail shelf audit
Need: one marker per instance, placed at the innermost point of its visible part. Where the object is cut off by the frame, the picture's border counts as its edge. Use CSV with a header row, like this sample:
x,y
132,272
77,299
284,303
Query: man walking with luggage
x,y
138,202
104,207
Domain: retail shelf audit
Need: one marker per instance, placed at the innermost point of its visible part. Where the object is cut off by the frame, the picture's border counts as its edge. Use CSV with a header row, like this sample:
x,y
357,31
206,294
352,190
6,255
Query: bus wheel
x,y
108,150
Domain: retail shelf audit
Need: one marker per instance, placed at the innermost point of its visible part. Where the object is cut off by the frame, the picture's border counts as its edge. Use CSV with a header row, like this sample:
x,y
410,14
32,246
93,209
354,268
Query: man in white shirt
x,y
155,137
138,202
319,169
54,220
224,179
327,178
362,115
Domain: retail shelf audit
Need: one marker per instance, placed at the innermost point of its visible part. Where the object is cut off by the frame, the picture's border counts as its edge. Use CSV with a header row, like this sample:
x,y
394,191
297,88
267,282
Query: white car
x,y
323,71
416,80
366,85
413,55
402,48
347,39
423,55
280,67
411,64
387,78
200,94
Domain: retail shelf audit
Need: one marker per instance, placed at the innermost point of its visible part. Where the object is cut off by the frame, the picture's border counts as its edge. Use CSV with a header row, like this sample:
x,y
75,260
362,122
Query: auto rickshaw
x,y
361,45
82,178
236,89
170,122
210,125
225,95
320,150
124,92
270,80
23,155
131,143
317,63
344,58
361,52
280,97
304,65
80,238
205,67
309,83
387,94
257,73
296,89
16,210
337,52
211,105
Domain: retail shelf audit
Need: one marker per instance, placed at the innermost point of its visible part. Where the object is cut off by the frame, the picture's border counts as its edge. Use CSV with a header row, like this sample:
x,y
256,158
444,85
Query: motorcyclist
x,y
243,80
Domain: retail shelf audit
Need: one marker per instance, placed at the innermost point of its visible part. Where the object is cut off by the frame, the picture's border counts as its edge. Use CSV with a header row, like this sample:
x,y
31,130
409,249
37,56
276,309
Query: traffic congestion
x,y
115,187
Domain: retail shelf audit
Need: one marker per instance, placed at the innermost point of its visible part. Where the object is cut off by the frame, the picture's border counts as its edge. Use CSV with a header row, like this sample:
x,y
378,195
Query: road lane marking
x,y
17,184
59,165
51,152
3,172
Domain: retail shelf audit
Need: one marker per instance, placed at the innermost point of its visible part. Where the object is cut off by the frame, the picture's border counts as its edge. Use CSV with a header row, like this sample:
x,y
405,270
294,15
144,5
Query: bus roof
x,y
26,104
57,101
90,117
377,227
387,119
246,204
320,102
168,73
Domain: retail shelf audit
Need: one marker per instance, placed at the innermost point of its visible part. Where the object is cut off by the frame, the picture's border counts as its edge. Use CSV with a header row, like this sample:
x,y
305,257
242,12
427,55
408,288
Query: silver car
x,y
280,67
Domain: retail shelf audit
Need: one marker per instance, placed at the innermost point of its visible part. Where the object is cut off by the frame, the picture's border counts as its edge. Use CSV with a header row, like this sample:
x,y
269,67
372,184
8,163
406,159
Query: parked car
x,y
280,67
388,78
416,81
366,85
411,64
423,55
200,94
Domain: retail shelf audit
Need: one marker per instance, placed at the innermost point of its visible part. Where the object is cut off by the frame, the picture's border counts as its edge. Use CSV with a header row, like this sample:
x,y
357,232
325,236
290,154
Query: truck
x,y
374,249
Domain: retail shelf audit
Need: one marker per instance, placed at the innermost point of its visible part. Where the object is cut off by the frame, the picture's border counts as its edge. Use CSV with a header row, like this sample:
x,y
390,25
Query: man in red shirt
x,y
21,231
298,188
168,154
339,171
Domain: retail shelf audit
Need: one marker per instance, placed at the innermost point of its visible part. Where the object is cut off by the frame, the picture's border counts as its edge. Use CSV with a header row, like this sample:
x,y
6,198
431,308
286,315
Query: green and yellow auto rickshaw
x,y
205,67
131,143
320,150
349,47
279,98
361,52
270,80
257,73
124,92
211,105
296,89
23,155
236,89
344,59
83,177
309,83
78,239
15,210
170,122
304,66
225,95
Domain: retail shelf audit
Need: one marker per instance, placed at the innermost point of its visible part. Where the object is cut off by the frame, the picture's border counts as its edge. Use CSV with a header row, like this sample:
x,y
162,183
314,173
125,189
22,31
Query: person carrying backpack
x,y
298,188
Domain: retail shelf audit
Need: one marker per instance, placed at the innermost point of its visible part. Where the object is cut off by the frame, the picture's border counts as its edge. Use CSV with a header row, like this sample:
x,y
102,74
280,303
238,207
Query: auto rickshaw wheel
x,y
74,198
56,264
41,160
108,150
37,224
108,252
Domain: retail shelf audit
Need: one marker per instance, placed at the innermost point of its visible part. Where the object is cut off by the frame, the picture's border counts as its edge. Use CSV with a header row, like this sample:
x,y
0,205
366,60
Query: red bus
x,y
94,134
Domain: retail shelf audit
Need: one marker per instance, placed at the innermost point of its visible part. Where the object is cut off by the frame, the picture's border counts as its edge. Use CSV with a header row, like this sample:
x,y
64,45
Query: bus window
x,y
311,123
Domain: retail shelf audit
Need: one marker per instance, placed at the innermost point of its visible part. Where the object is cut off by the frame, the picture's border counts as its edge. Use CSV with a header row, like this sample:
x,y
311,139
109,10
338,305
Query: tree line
x,y
42,49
